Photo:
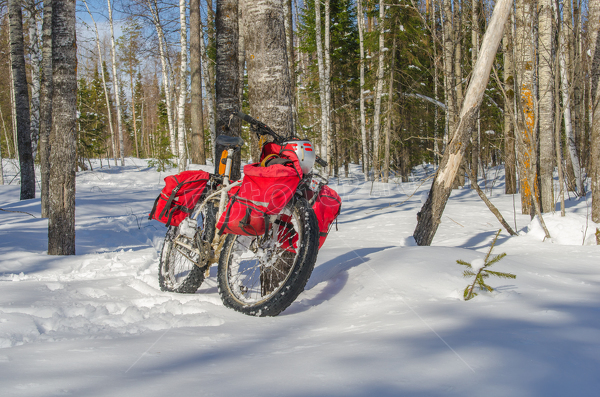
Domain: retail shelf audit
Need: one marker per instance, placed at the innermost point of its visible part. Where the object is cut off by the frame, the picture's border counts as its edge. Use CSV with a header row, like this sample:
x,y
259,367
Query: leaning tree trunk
x,y
431,213
61,225
197,114
21,95
228,76
269,84
116,85
546,106
182,88
593,28
46,106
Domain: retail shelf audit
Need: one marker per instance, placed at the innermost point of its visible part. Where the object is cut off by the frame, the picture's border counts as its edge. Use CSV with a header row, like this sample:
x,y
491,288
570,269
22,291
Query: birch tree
x,y
36,62
182,87
61,224
594,50
509,103
363,126
322,83
21,100
210,92
546,105
46,107
115,82
378,91
431,213
198,155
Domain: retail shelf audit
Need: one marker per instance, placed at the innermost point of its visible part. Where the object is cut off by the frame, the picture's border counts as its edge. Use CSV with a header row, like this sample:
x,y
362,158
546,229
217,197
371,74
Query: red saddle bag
x,y
327,207
179,197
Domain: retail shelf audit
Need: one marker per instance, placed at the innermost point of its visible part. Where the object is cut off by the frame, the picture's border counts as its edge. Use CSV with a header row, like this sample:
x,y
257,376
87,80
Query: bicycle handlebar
x,y
262,128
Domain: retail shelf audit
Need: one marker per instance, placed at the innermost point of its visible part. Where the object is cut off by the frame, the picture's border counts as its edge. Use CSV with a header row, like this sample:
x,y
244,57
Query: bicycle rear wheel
x,y
183,260
263,275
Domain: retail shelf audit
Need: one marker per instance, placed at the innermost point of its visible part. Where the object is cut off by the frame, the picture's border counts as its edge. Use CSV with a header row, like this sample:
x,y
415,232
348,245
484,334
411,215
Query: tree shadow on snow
x,y
335,273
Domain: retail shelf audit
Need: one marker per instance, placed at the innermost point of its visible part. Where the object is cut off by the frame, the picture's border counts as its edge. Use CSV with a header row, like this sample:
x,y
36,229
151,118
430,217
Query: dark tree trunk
x,y
46,106
197,147
431,212
269,84
227,84
594,28
61,225
17,57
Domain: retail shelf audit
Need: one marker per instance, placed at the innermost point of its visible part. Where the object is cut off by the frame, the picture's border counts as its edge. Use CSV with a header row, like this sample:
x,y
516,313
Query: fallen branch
x,y
19,212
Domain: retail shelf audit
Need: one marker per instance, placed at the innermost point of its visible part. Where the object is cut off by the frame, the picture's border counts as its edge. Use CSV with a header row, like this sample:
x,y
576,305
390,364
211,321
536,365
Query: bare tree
x,y
21,98
509,103
363,127
593,29
36,61
116,84
378,92
61,225
182,87
46,106
197,116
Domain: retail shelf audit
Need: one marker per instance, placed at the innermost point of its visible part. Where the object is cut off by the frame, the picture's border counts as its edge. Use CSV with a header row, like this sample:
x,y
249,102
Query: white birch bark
x,y
36,63
571,145
165,73
378,92
321,66
363,127
182,88
104,85
546,107
210,96
116,84
327,75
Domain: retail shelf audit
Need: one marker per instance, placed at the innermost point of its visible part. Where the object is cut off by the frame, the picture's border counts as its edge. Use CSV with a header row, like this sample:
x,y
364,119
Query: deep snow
x,y
379,317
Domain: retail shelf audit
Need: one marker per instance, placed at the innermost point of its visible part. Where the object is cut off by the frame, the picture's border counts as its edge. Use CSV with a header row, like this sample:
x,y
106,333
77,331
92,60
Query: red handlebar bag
x,y
264,191
179,197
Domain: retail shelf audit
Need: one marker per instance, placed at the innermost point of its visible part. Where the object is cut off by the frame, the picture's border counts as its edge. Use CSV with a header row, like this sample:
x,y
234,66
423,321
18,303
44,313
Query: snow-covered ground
x,y
379,317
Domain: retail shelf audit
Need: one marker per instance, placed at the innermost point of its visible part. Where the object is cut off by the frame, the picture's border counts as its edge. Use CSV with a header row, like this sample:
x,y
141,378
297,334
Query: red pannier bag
x,y
264,191
179,197
327,207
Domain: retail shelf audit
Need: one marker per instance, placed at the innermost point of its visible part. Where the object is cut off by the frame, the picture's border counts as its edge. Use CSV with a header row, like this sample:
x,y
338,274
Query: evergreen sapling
x,y
479,269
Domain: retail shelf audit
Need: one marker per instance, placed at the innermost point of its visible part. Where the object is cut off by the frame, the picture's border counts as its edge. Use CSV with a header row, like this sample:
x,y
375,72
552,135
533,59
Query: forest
x,y
375,83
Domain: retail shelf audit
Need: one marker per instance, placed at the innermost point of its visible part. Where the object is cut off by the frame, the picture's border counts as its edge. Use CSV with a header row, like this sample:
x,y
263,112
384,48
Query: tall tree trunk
x,y
546,106
182,88
61,225
571,144
289,42
322,82
327,54
210,96
115,80
524,65
17,57
594,40
388,122
46,107
269,84
458,44
363,127
436,149
431,213
227,76
378,92
449,77
36,62
197,112
510,160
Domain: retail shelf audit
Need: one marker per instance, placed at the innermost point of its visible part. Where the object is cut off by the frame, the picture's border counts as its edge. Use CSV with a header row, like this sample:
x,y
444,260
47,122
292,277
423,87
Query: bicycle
x,y
258,274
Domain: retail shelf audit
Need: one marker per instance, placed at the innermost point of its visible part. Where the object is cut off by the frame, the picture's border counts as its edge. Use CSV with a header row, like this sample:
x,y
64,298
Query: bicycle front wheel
x,y
183,260
263,275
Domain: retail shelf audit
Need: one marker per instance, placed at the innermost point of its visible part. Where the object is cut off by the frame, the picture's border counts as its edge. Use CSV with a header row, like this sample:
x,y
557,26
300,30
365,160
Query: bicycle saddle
x,y
229,142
